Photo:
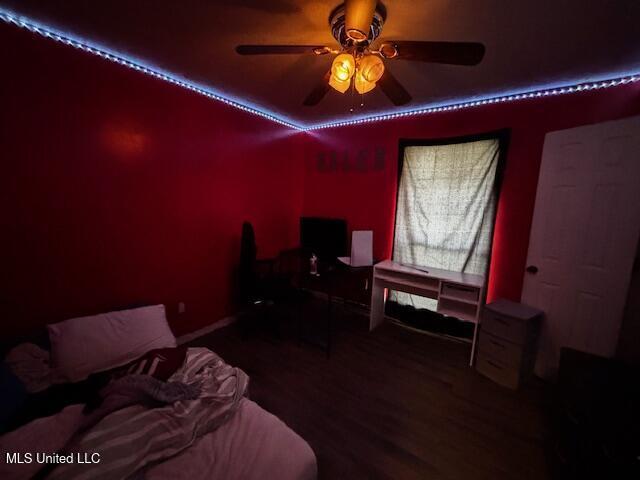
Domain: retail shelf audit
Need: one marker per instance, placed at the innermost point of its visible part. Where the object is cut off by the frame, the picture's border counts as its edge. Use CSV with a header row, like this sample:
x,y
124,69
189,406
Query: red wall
x,y
117,188
363,189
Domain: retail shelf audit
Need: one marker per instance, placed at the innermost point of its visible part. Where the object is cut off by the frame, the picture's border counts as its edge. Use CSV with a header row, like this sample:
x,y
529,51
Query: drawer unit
x,y
497,371
508,341
501,326
506,352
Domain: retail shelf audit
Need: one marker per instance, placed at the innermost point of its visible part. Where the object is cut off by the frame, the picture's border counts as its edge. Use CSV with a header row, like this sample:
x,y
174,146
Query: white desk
x,y
459,295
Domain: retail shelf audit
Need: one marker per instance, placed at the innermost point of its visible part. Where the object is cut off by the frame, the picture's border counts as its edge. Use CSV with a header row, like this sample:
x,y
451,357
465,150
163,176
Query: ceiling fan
x,y
356,24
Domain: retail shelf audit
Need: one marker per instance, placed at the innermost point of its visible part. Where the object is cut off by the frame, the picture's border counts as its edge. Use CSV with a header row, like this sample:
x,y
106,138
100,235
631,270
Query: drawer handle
x,y
494,364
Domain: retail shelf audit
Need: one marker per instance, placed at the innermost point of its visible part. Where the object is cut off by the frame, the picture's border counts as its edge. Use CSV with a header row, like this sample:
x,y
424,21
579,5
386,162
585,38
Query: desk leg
x,y
473,345
377,305
329,305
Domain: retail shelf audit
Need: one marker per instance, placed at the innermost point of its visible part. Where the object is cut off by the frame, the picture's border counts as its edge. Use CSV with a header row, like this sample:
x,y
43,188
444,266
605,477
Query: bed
x,y
220,436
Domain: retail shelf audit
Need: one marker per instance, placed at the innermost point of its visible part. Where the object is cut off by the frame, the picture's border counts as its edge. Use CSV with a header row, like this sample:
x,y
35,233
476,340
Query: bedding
x,y
220,435
85,345
31,364
13,396
160,363
253,445
159,433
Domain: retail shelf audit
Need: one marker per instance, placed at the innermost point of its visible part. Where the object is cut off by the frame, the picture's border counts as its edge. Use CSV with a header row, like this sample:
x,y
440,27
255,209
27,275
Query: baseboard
x,y
206,330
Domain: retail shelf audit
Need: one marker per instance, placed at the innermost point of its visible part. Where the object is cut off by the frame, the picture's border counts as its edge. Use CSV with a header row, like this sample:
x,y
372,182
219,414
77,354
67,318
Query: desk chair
x,y
263,283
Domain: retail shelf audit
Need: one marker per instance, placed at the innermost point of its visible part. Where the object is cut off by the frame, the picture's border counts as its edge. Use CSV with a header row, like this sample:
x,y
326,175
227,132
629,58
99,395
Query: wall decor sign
x,y
363,160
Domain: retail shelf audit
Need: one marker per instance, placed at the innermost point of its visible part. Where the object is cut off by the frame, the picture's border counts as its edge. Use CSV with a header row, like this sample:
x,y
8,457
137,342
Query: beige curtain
x,y
445,210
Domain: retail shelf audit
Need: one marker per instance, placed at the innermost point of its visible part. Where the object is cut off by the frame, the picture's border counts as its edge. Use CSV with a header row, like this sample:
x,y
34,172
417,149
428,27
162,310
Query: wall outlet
x,y
181,307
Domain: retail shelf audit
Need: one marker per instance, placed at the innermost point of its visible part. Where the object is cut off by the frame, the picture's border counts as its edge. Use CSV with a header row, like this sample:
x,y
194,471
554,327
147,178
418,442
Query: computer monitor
x,y
326,237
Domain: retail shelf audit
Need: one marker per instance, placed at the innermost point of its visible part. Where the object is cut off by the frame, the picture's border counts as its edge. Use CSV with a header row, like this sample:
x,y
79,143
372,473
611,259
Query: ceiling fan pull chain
x,y
353,95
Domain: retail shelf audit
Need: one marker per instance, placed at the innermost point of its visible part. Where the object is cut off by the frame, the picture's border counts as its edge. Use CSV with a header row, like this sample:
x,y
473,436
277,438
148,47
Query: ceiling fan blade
x,y
358,18
281,49
452,53
393,89
318,92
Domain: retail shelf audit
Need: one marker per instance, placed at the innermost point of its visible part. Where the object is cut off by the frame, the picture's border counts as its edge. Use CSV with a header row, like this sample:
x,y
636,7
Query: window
x,y
446,207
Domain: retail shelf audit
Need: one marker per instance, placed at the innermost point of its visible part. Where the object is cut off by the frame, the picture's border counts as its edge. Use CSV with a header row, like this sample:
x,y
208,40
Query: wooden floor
x,y
392,404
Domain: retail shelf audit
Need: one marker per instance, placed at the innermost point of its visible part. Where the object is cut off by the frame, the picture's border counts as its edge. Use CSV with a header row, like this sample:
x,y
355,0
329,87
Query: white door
x,y
583,237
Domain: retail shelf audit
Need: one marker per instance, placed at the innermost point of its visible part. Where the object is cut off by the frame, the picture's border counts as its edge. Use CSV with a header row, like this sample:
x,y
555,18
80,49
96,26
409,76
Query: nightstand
x,y
508,342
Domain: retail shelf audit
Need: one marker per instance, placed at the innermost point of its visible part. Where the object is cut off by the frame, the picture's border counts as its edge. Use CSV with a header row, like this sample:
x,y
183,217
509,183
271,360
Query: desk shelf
x,y
461,310
422,283
459,300
393,282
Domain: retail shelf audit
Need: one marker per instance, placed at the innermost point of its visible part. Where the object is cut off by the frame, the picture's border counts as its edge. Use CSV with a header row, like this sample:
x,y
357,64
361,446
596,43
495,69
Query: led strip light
x,y
138,65
545,92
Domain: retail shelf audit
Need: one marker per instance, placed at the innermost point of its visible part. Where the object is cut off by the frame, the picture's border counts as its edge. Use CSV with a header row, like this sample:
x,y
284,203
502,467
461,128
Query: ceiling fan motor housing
x,y
337,22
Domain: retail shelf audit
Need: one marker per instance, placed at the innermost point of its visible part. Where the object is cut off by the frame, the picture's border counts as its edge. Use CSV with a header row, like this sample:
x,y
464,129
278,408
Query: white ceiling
x,y
529,44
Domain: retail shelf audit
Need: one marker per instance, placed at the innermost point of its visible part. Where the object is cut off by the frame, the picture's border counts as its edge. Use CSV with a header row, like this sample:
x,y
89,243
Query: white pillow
x,y
85,345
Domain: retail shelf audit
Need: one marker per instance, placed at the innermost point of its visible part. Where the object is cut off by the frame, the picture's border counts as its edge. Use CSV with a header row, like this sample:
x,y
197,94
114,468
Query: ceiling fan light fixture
x,y
371,67
343,67
339,85
362,84
388,50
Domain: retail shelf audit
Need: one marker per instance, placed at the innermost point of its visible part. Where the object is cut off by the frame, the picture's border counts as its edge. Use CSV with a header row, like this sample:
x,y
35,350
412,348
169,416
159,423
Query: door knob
x,y
532,269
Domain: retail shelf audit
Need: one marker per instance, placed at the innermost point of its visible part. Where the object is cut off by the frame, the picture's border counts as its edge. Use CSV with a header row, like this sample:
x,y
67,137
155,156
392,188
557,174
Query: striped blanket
x,y
136,437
